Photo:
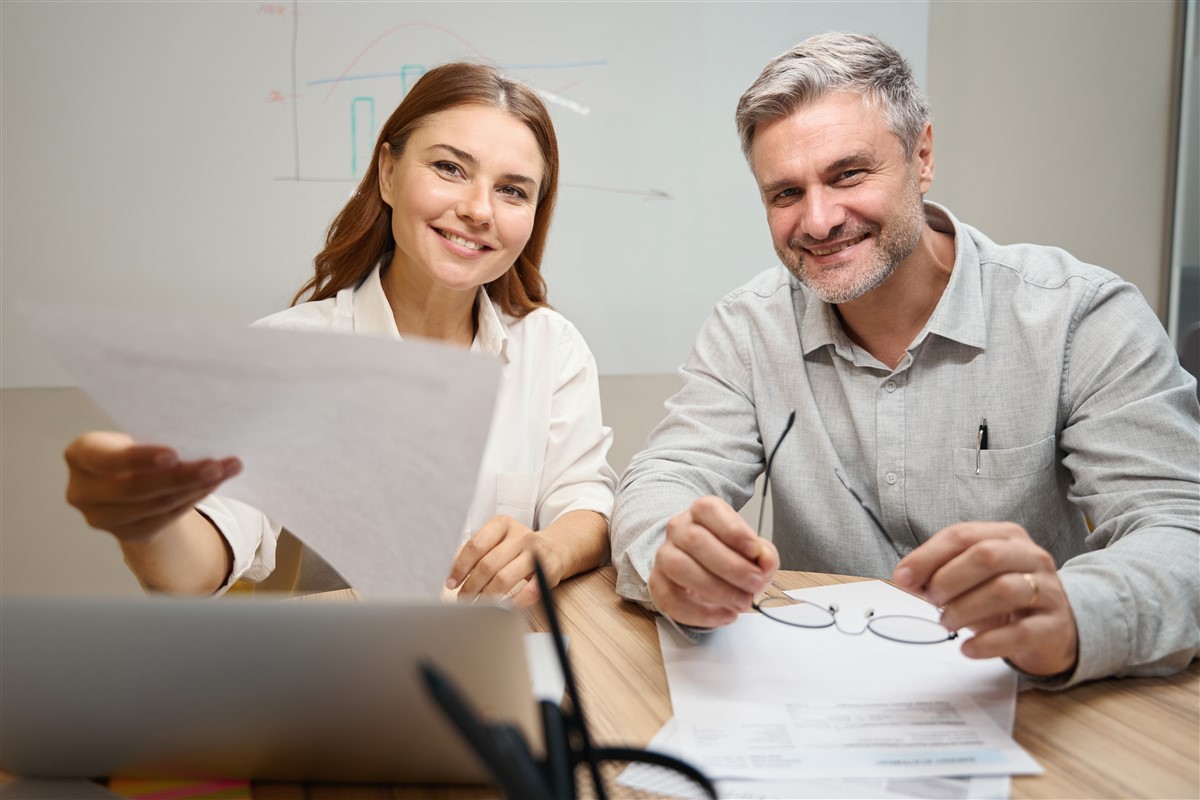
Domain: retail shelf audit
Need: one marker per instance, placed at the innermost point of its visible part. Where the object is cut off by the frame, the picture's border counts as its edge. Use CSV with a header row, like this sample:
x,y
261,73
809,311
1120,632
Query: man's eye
x,y
786,194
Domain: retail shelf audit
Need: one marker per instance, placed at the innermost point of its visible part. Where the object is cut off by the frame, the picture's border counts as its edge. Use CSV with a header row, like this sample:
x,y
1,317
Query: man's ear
x,y
924,153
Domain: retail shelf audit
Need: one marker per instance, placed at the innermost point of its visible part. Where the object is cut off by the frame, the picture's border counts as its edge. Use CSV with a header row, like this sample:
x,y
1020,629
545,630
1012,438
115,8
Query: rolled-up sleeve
x,y
251,536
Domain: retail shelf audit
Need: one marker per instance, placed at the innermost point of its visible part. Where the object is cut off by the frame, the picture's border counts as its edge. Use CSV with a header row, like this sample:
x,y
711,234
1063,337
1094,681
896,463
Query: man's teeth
x,y
461,242
836,249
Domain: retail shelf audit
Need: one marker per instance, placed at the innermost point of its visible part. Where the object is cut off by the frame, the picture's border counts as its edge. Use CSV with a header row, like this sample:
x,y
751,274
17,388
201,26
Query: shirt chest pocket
x,y
517,494
1014,485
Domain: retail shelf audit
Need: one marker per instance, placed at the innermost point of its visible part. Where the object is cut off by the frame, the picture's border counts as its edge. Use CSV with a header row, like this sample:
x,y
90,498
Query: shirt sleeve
x,y
708,444
1132,445
576,475
251,534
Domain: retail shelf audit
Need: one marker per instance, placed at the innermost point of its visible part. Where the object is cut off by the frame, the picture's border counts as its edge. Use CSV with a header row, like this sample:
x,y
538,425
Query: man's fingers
x,y
1040,644
1008,593
983,562
684,607
718,517
683,570
689,533
915,569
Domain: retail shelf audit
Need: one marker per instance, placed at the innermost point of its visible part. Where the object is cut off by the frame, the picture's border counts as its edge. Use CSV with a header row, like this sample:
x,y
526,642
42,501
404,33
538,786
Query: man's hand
x,y
992,578
711,565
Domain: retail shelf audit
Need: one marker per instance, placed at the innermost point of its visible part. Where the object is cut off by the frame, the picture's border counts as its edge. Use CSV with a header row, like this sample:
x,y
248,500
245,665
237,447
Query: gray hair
x,y
832,62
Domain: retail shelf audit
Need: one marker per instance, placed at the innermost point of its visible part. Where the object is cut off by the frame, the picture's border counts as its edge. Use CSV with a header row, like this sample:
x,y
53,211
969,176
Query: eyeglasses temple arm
x,y
762,508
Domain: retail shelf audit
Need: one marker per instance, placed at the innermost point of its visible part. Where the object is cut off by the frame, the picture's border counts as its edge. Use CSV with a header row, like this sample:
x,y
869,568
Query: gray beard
x,y
894,248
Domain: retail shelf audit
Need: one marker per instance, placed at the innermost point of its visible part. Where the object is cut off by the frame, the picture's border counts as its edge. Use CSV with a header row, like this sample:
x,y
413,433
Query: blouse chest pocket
x,y
517,494
1014,485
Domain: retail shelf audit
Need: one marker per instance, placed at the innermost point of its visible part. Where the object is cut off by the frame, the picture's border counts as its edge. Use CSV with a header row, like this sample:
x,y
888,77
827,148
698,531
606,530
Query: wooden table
x,y
1133,737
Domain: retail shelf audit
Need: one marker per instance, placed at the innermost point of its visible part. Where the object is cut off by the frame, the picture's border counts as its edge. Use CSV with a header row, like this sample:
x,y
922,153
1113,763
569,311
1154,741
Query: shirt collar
x,y
373,314
959,314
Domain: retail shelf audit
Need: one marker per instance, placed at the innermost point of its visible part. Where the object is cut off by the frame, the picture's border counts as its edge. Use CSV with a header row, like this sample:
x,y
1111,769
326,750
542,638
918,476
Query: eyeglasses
x,y
904,628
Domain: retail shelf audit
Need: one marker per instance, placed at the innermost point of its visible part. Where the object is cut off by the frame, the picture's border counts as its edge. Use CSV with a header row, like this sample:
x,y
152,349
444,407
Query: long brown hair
x,y
362,231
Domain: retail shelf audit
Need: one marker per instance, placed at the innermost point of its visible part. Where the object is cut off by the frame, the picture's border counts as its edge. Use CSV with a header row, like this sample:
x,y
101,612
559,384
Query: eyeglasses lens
x,y
914,630
796,612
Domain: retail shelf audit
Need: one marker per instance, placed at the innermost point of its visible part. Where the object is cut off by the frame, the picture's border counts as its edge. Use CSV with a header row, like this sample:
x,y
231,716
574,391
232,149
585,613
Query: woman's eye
x,y
514,192
447,167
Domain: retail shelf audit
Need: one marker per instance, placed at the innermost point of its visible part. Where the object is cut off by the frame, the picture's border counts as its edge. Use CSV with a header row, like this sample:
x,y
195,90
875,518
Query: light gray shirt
x,y
1090,417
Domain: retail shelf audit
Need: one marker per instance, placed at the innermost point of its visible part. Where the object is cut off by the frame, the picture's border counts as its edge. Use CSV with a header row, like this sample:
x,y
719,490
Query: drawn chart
x,y
361,96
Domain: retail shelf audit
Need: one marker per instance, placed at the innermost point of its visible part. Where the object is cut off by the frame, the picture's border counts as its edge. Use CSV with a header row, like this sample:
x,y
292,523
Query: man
x,y
963,409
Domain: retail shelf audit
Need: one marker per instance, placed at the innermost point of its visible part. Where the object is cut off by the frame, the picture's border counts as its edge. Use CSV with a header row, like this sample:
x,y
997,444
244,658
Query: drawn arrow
x,y
646,194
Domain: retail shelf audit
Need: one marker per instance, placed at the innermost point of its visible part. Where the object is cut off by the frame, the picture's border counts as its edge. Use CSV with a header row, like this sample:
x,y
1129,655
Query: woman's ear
x,y
387,168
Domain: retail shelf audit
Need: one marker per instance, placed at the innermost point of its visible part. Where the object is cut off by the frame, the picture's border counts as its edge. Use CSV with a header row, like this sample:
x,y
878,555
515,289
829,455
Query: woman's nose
x,y
475,206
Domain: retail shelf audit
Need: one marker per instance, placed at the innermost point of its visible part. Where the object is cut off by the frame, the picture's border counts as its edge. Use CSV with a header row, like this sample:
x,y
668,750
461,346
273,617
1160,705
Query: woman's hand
x,y
132,490
499,556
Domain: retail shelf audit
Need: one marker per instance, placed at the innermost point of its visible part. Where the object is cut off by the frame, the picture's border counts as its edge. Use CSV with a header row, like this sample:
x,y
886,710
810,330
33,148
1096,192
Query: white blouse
x,y
546,452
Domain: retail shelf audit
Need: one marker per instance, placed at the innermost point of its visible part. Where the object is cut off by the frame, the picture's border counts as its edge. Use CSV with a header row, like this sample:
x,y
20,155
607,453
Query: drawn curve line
x,y
389,32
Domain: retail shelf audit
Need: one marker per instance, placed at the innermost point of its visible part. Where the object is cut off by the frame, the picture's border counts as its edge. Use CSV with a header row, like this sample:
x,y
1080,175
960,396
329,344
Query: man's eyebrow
x,y
473,162
857,159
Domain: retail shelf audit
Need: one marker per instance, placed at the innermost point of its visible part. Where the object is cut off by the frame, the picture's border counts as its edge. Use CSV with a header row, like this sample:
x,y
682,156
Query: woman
x,y
443,239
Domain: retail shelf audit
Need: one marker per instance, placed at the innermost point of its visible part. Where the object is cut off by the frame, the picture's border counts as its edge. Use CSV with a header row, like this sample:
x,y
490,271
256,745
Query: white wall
x,y
187,156
1053,124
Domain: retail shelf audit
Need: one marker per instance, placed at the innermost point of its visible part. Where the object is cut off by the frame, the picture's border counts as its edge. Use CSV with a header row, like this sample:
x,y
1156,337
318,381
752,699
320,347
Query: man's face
x,y
843,202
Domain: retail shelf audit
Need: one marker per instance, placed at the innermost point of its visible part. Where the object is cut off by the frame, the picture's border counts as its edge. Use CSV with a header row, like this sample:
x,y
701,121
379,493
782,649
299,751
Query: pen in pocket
x,y
981,443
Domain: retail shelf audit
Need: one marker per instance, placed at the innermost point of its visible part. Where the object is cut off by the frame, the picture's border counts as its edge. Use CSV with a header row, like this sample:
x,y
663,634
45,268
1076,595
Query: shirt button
x,y
890,386
891,477
906,550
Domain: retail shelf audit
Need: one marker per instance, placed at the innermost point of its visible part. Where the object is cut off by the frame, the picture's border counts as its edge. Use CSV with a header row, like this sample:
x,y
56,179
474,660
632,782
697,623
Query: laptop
x,y
252,688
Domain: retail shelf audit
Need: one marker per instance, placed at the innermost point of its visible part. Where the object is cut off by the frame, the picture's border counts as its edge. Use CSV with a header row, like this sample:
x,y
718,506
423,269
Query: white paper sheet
x,y
366,449
661,781
545,672
760,700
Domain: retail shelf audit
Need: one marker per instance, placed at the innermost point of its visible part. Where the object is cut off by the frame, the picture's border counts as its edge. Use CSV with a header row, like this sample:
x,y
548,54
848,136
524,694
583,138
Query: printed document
x,y
367,449
762,700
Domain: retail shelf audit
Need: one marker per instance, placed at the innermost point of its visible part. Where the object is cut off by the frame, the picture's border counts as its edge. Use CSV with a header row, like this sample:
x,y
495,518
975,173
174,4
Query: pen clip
x,y
981,443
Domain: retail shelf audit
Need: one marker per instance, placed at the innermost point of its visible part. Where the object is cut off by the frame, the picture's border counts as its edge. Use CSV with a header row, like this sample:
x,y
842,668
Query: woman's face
x,y
463,195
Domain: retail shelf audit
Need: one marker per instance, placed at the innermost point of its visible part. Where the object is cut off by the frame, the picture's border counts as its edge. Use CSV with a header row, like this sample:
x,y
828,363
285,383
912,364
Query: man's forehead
x,y
828,130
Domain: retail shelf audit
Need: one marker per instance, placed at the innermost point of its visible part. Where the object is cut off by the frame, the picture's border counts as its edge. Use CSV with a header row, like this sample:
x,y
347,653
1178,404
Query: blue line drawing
x,y
368,104
414,71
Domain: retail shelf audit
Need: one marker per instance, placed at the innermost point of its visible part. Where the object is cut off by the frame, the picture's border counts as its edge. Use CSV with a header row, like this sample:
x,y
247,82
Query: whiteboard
x,y
187,157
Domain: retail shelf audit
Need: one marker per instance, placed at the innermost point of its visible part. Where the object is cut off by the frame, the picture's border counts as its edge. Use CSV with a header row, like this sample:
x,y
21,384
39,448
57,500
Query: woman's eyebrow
x,y
473,162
